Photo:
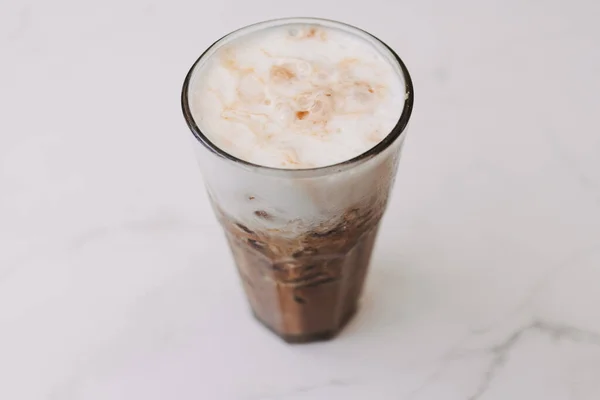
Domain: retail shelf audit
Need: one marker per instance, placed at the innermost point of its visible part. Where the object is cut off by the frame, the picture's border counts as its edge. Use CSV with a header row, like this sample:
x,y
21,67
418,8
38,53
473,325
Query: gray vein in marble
x,y
566,332
500,354
159,223
567,262
556,331
588,184
305,389
501,351
443,367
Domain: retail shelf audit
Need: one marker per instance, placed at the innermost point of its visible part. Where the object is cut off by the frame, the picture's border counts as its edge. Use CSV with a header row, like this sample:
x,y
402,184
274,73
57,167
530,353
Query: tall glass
x,y
301,239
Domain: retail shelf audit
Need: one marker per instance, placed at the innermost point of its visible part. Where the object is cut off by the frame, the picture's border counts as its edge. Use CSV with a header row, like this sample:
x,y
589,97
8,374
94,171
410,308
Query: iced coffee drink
x,y
298,127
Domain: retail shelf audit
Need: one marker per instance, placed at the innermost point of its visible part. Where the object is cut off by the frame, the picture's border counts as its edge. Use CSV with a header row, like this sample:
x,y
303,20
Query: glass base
x,y
310,337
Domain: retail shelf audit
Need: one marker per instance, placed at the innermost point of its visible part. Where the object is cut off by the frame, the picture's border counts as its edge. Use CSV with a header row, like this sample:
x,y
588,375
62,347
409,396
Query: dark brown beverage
x,y
307,288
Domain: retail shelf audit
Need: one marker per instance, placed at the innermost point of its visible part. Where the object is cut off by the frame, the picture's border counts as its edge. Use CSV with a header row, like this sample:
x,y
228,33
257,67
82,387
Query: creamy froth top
x,y
297,96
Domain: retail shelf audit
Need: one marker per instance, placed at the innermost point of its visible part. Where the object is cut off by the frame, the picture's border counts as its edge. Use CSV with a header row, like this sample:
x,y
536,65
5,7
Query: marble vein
x,y
159,223
555,330
306,389
500,352
588,184
541,283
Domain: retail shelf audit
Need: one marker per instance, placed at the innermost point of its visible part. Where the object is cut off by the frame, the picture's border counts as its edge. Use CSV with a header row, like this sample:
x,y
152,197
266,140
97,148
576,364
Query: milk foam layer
x,y
297,96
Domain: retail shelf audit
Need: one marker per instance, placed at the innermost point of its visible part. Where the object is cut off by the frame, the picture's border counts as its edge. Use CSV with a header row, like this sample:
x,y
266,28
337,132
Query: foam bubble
x,y
297,96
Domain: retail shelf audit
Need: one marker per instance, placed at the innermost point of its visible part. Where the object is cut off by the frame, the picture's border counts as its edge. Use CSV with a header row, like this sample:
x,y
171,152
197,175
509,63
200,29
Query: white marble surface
x,y
115,281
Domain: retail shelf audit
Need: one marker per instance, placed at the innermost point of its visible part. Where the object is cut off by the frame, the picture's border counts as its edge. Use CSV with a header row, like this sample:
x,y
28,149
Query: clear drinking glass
x,y
301,239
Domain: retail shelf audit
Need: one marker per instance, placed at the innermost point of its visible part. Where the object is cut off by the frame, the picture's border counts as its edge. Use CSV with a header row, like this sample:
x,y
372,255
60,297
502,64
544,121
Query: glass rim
x,y
390,138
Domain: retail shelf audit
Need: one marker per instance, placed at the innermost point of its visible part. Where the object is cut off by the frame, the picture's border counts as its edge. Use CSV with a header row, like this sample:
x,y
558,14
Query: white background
x,y
115,279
